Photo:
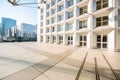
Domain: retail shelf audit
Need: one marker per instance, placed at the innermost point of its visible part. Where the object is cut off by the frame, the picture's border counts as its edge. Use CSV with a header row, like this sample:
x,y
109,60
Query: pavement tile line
x,y
96,69
63,56
113,71
81,67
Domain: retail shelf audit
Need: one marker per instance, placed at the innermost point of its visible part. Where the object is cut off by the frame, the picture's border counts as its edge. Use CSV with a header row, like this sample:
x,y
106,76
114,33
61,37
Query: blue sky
x,y
22,14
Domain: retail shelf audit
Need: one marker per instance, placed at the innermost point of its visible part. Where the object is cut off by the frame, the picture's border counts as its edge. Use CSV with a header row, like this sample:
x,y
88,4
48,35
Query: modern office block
x,y
28,32
83,23
7,23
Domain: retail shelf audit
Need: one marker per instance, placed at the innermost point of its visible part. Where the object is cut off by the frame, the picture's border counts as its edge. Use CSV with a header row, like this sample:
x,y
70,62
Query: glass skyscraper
x,y
28,32
7,23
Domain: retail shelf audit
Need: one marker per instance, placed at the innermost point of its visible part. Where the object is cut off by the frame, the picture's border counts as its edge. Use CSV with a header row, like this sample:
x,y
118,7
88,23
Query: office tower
x,y
82,23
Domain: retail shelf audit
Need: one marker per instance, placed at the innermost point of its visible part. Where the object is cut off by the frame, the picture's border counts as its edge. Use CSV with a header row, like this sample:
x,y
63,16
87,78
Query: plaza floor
x,y
38,61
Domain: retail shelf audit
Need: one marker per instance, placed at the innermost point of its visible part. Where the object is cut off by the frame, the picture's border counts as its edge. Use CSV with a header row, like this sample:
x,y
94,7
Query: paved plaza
x,y
38,61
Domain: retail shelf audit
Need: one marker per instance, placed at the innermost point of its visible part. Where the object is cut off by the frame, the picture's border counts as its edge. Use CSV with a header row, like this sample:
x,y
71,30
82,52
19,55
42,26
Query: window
x,y
70,3
60,8
98,38
52,20
82,24
48,39
104,38
101,4
54,39
60,17
70,40
101,21
48,22
52,11
83,40
47,14
69,26
60,39
70,14
47,6
52,3
41,10
83,10
47,30
101,41
60,28
53,29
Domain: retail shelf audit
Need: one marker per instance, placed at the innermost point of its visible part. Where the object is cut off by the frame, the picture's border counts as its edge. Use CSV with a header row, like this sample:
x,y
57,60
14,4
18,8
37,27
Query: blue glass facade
x,y
7,23
29,32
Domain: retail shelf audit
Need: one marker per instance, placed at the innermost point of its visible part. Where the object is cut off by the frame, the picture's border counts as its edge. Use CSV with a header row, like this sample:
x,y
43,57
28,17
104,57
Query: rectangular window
x,y
52,20
47,14
98,38
53,29
60,28
102,21
48,22
60,8
52,3
54,39
60,17
70,40
60,39
82,24
47,30
70,14
69,26
83,40
48,39
41,10
70,3
83,10
101,41
52,11
47,6
101,4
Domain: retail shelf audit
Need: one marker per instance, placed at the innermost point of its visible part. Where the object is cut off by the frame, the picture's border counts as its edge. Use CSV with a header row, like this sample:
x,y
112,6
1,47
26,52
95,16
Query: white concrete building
x,y
84,23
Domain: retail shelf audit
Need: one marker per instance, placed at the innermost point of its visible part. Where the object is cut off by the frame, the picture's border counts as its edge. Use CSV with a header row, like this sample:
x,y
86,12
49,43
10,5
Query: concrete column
x,y
57,39
64,39
117,24
91,37
113,22
75,35
64,28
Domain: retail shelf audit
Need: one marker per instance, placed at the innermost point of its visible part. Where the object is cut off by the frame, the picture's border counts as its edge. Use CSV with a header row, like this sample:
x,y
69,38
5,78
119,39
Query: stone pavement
x,y
38,61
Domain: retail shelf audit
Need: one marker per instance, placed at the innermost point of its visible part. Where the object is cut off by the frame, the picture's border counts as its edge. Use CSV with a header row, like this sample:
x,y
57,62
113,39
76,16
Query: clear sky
x,y
22,14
